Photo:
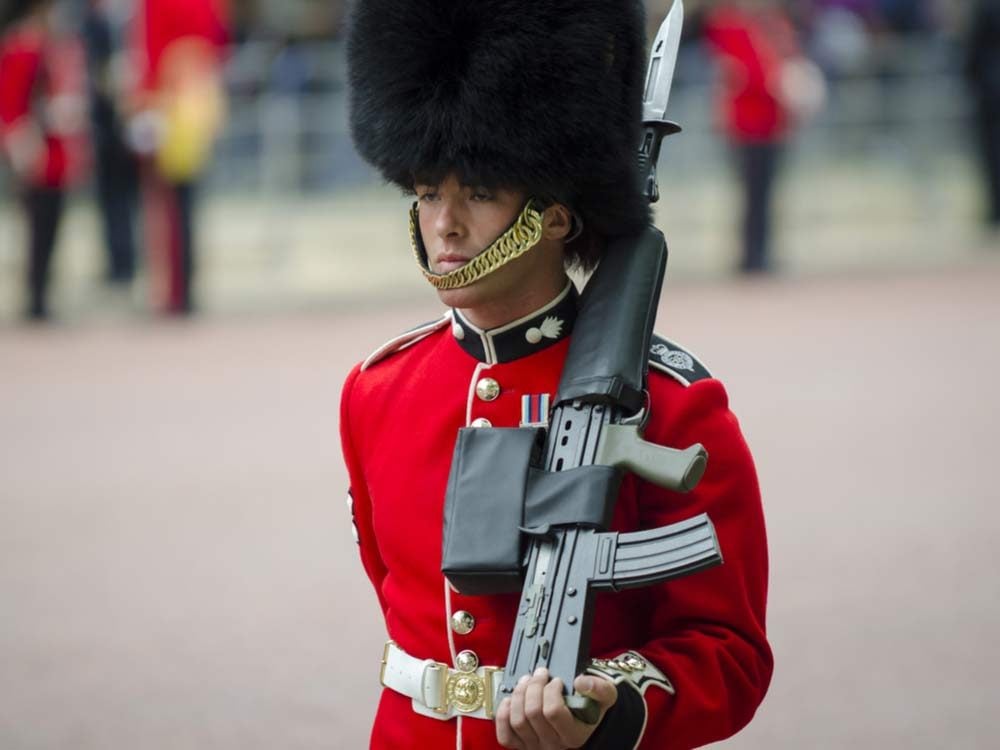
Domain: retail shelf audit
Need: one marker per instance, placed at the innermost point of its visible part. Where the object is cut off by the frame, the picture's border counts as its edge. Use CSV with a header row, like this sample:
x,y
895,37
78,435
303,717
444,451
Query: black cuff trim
x,y
621,728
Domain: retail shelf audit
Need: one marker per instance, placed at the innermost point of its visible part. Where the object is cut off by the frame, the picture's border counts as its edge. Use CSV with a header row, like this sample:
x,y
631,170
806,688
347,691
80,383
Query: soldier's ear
x,y
557,222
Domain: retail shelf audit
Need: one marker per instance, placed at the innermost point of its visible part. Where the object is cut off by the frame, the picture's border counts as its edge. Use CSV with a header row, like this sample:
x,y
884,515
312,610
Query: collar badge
x,y
550,328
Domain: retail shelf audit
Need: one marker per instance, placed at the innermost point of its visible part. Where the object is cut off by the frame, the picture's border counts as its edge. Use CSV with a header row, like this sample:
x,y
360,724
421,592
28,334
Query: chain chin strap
x,y
519,238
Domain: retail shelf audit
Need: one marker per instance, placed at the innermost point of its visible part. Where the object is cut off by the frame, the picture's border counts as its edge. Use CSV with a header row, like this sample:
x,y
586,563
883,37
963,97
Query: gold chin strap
x,y
519,238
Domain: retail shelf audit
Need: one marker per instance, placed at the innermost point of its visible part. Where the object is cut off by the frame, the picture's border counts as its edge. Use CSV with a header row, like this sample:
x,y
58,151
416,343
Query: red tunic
x,y
399,420
753,46
42,105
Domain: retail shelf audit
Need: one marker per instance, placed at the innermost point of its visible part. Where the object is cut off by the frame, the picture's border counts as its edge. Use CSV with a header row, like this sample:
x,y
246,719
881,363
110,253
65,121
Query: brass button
x,y
481,422
467,661
487,389
462,622
457,331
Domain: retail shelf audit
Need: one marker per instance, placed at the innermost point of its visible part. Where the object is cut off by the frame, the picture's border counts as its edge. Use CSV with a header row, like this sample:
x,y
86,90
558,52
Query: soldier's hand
x,y
535,717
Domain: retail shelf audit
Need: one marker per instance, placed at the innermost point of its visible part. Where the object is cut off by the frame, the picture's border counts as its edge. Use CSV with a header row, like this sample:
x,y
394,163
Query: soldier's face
x,y
457,222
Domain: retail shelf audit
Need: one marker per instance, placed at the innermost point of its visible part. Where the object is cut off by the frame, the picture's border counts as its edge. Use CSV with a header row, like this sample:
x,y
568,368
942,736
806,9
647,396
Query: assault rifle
x,y
597,421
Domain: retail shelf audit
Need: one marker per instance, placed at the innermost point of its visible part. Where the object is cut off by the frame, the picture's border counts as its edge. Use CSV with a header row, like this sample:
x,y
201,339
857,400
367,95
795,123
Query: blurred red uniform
x,y
42,130
178,48
754,41
162,23
753,46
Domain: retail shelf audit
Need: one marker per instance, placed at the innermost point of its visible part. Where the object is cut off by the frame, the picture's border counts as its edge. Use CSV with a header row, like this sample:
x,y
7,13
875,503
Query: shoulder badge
x,y
403,340
678,363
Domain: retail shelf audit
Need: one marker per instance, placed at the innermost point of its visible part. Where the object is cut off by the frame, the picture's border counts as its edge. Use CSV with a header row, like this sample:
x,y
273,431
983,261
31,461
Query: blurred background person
x,y
982,68
115,169
41,127
767,86
177,113
841,34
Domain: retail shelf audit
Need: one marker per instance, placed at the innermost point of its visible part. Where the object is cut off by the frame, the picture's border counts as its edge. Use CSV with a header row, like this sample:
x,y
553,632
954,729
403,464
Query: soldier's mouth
x,y
449,262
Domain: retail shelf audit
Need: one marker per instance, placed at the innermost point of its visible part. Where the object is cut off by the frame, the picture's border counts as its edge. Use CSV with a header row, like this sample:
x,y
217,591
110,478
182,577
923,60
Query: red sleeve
x,y
359,500
706,631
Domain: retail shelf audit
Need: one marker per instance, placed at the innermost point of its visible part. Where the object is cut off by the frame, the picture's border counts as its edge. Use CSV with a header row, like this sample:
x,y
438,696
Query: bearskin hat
x,y
544,96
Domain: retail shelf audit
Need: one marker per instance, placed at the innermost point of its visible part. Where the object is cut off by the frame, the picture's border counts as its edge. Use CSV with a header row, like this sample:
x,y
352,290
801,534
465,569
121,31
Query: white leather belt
x,y
437,690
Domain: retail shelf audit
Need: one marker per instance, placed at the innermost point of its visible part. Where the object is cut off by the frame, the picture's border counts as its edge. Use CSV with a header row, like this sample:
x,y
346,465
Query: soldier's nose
x,y
448,223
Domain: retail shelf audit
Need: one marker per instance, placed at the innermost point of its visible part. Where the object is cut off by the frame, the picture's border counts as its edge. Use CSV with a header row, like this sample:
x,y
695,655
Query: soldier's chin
x,y
465,297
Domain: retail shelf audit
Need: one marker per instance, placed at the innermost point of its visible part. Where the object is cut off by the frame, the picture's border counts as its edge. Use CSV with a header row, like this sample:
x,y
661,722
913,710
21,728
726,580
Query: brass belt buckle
x,y
467,692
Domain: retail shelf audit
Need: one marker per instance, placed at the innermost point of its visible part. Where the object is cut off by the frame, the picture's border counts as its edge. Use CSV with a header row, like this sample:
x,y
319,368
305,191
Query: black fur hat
x,y
540,95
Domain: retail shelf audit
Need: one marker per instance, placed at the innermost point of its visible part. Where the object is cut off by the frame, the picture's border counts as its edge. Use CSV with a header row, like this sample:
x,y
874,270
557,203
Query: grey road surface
x,y
176,562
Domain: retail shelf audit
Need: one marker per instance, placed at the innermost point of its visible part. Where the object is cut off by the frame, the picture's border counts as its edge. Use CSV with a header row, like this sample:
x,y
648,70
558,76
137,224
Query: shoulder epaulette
x,y
405,339
678,363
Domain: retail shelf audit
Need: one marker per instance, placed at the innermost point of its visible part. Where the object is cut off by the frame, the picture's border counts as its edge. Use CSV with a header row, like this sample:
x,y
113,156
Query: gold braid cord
x,y
522,235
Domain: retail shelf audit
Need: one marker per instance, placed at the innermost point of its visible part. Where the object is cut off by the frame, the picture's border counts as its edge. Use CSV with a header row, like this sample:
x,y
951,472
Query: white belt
x,y
437,690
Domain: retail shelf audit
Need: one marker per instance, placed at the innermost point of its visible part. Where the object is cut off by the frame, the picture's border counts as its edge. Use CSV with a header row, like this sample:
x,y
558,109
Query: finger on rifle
x,y
505,733
534,708
518,719
559,716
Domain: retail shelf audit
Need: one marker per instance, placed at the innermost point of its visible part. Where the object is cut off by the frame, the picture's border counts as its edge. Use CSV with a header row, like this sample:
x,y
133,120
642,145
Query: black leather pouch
x,y
496,493
484,508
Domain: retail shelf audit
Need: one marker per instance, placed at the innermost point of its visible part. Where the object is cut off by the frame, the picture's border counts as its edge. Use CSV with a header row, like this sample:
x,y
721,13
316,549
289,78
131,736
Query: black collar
x,y
532,333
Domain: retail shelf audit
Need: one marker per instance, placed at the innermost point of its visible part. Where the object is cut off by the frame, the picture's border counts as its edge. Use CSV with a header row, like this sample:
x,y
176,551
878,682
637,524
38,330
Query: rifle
x,y
596,422
568,476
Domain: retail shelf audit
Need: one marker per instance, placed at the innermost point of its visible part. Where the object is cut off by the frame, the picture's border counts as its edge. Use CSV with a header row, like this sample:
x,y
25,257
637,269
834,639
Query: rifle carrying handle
x,y
584,708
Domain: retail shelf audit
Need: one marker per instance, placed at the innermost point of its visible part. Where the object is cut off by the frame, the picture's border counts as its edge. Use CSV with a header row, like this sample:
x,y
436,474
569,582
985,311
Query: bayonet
x,y
659,78
662,61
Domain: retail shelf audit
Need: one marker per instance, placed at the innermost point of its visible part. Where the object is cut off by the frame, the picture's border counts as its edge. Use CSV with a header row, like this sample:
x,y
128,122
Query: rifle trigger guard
x,y
640,417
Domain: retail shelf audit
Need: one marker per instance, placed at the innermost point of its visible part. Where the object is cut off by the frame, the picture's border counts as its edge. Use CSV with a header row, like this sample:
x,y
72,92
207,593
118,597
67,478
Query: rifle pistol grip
x,y
679,470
